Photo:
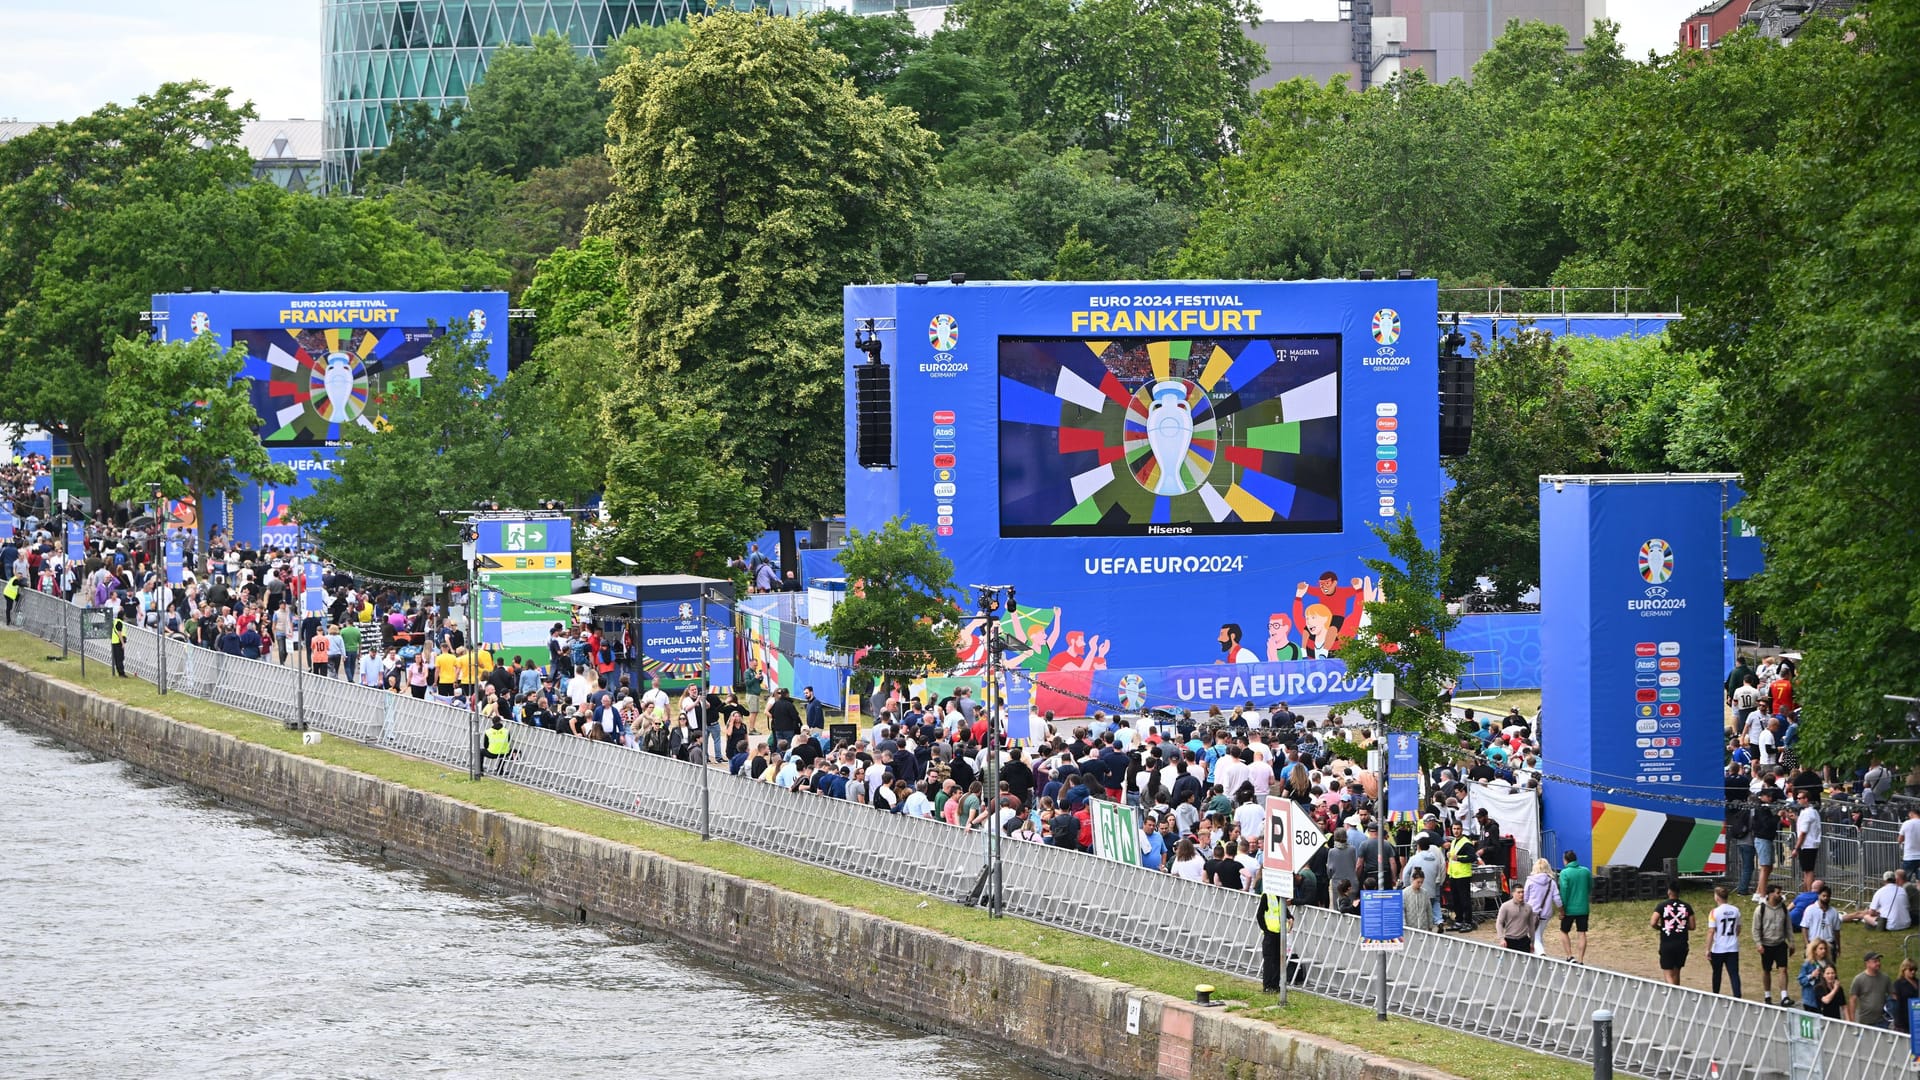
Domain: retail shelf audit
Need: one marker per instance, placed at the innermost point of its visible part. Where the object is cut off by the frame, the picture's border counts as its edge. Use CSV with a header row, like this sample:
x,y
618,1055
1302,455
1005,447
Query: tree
x,y
675,509
1530,417
949,86
1827,361
575,284
56,183
186,424
875,47
100,233
753,184
1405,636
442,444
1161,85
561,391
900,603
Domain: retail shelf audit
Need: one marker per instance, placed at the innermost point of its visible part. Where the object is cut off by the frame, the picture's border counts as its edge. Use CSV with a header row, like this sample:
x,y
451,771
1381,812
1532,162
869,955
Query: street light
x,y
991,598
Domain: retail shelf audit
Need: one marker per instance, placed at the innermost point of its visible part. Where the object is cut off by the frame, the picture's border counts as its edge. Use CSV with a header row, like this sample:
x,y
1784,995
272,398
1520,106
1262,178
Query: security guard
x,y
1460,879
118,640
1268,916
498,745
12,593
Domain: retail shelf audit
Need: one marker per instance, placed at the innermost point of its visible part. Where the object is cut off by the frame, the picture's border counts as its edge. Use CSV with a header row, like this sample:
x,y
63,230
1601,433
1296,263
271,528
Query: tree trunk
x,y
92,467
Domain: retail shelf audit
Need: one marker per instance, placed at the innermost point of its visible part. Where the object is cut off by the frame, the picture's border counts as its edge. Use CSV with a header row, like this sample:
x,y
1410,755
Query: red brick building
x,y
1705,28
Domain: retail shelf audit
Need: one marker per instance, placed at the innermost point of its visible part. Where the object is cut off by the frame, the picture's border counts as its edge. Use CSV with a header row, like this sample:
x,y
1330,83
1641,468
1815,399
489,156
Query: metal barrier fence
x,y
1661,1032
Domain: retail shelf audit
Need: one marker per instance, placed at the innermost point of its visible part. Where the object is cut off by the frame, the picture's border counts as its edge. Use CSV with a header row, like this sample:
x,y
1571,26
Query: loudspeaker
x,y
873,414
1456,405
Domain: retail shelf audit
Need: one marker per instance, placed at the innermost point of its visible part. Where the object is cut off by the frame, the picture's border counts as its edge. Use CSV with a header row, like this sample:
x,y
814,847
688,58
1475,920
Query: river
x,y
152,931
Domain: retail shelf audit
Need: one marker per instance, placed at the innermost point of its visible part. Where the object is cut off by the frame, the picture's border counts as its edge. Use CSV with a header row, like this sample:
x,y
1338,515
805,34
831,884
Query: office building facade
x,y
383,53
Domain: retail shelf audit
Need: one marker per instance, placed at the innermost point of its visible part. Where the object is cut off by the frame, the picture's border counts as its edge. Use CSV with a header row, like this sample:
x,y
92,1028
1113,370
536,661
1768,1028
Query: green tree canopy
x,y
92,268
753,184
443,443
899,608
1407,625
674,506
186,424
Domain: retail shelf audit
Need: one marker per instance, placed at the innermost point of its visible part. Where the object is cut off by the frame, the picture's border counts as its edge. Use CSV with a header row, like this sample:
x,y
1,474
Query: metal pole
x,y
160,655
700,710
299,696
994,666
1286,912
1385,855
474,765
1602,1044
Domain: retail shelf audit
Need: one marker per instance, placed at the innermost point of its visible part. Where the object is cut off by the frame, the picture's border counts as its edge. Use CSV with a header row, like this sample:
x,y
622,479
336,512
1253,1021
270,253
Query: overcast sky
x,y
66,58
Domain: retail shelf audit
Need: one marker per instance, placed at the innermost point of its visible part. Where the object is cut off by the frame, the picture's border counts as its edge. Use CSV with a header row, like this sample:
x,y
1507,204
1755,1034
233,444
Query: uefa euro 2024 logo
x,y
943,333
476,325
199,323
1386,326
1656,561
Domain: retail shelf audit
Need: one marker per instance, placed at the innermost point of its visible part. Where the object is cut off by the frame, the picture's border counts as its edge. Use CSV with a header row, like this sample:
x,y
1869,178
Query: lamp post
x,y
991,599
469,554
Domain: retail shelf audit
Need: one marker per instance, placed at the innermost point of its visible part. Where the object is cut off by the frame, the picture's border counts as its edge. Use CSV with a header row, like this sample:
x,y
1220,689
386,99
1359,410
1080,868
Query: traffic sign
x,y
1292,837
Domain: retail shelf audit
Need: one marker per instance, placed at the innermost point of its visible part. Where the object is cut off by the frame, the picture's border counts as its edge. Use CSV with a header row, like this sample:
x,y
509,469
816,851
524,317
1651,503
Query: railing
x,y
1662,1032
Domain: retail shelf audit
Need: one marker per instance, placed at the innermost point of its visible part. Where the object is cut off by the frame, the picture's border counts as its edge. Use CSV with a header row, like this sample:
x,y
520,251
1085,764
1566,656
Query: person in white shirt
x,y
1821,921
656,697
1762,741
917,804
578,688
1723,947
1910,842
1806,838
1230,773
1888,909
1260,775
1252,819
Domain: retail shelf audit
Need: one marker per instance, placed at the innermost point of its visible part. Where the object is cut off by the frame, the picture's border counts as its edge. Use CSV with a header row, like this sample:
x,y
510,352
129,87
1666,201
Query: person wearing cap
x,y
1870,991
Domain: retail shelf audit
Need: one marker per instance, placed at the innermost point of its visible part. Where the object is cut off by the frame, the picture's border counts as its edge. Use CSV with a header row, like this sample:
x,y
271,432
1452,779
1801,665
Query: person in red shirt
x,y
1781,695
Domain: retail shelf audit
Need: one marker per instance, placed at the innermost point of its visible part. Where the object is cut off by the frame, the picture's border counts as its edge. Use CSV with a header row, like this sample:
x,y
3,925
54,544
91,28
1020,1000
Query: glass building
x,y
382,53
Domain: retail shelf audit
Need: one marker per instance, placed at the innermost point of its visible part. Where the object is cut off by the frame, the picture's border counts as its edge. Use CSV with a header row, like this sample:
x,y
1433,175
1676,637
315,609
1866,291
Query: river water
x,y
150,931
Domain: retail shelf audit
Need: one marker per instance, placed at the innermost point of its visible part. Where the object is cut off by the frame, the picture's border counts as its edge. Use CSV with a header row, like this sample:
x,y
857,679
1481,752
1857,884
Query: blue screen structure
x,y
1140,436
1171,474
1631,635
318,367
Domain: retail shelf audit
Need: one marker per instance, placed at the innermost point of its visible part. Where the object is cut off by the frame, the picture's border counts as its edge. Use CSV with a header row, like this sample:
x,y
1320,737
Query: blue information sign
x,y
1913,1027
176,561
315,601
7,520
76,541
1383,919
1403,776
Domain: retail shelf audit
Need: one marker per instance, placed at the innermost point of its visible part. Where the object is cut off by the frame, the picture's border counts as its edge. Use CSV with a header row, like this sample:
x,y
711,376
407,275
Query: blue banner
x,y
1502,650
176,561
720,667
76,542
1746,556
314,600
1632,644
1078,692
8,522
1403,776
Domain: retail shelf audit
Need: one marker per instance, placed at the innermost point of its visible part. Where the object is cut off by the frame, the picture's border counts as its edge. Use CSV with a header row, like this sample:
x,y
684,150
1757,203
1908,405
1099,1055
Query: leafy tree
x,y
676,508
897,615
1405,636
443,444
570,191
187,426
481,212
1530,417
57,183
949,86
1825,371
575,284
119,241
561,390
753,184
875,47
1161,85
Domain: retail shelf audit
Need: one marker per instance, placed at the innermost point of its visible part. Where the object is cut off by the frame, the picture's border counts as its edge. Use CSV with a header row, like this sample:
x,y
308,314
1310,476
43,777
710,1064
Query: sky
x,y
66,58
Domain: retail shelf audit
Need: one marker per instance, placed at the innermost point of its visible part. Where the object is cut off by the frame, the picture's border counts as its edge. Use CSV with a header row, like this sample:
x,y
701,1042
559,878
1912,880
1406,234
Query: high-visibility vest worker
x,y
1273,913
497,741
13,588
1460,858
119,631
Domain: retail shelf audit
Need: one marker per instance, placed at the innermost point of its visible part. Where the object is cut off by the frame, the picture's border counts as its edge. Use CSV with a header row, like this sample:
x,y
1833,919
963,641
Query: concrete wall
x,y
1059,1019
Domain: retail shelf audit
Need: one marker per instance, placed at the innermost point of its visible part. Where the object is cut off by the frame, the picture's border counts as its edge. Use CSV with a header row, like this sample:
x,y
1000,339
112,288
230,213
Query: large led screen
x,y
320,384
1149,436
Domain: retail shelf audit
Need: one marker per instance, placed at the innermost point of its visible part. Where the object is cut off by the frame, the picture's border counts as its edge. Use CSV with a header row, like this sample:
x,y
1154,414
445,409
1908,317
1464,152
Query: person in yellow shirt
x,y
483,656
462,666
446,673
